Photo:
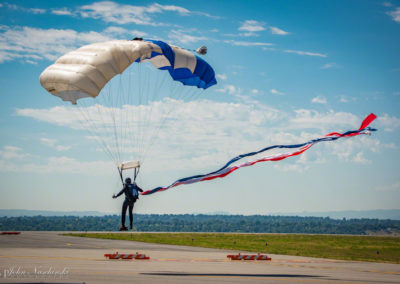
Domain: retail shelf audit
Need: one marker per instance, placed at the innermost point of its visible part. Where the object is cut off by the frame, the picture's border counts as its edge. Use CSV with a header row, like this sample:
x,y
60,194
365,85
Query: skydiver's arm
x,y
141,190
122,191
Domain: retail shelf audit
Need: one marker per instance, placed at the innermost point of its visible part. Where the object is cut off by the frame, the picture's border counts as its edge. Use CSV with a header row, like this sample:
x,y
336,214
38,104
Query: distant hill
x,y
393,214
23,212
206,223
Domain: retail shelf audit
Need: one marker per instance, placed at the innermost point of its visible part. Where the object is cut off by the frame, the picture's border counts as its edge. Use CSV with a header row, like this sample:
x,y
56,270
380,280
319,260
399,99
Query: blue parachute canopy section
x,y
202,75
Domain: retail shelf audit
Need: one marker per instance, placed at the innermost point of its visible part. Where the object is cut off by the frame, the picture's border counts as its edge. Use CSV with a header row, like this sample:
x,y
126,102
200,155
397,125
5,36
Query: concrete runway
x,y
47,257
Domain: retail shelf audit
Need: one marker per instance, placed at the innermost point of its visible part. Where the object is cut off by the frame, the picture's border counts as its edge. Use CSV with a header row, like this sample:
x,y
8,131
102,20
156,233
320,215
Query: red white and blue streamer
x,y
228,168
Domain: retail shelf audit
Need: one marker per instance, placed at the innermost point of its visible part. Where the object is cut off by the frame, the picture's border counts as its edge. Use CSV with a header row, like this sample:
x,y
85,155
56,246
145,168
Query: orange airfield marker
x,y
248,257
10,233
126,256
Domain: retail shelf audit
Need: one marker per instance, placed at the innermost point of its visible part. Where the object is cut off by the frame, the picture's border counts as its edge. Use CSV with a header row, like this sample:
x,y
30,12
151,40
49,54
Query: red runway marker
x,y
126,256
10,233
248,257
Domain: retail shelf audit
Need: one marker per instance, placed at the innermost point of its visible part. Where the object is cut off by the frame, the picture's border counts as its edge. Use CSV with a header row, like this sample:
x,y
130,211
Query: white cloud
x,y
252,26
112,12
57,165
391,187
62,12
12,153
395,15
36,11
343,99
346,99
276,92
52,143
277,31
387,4
180,36
23,9
254,91
319,100
221,76
299,52
203,129
330,65
247,43
305,118
292,168
230,89
360,159
34,44
389,123
122,31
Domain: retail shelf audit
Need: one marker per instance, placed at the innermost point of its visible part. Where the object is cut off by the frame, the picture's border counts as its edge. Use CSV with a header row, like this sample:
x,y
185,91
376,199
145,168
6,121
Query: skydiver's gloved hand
x,y
114,196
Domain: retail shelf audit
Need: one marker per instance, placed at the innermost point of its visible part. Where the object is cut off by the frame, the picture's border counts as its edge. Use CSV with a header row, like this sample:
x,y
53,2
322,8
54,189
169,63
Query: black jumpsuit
x,y
131,195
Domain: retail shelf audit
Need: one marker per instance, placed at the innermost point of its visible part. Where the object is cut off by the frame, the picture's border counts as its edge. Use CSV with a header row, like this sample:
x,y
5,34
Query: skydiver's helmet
x,y
128,181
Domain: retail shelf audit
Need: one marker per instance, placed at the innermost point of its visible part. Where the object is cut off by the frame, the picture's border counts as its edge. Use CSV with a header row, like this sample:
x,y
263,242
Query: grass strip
x,y
344,247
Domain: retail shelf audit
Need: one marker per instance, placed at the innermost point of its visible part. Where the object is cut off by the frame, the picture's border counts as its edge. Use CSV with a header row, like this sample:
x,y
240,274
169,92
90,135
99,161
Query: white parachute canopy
x,y
125,113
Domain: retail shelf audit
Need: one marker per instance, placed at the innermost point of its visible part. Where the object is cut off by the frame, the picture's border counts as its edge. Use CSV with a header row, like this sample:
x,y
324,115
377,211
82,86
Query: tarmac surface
x,y
48,257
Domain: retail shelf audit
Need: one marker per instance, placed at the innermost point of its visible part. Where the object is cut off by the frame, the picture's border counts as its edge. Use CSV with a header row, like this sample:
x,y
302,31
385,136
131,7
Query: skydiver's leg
x,y
123,213
131,215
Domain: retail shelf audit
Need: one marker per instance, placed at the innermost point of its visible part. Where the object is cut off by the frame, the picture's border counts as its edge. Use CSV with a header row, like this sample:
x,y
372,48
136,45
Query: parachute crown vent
x,y
129,165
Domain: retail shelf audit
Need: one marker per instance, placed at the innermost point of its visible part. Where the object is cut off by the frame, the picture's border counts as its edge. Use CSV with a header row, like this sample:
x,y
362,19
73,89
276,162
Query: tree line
x,y
204,223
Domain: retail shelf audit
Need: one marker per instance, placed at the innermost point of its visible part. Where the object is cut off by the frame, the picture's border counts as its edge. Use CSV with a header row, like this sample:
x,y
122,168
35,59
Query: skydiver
x,y
131,191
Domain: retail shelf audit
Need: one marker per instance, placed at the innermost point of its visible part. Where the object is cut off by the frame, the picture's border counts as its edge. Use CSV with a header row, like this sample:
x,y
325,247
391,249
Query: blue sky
x,y
287,72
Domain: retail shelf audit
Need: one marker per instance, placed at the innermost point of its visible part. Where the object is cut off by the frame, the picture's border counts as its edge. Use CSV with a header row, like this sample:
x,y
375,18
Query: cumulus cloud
x,y
182,37
34,44
319,100
203,129
221,76
12,153
305,118
112,12
230,89
62,12
23,9
52,143
360,159
276,92
278,31
252,26
395,15
389,123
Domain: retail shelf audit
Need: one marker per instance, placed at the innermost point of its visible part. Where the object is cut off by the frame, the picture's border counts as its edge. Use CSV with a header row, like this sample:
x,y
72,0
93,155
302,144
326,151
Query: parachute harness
x,y
228,168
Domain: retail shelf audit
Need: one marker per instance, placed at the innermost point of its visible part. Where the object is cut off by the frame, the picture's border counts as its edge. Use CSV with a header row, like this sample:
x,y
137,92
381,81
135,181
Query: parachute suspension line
x,y
154,93
110,112
189,95
107,96
89,125
151,93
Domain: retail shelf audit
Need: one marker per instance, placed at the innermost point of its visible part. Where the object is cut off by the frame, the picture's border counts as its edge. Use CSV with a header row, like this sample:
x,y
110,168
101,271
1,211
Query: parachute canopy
x,y
129,113
84,72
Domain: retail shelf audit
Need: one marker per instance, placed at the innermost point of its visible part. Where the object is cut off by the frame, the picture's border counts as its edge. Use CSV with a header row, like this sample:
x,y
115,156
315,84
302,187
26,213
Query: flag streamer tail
x,y
228,168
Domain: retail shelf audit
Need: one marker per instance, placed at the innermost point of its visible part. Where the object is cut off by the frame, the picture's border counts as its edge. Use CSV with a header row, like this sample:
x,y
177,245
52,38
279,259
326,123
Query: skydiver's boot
x,y
123,228
130,226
